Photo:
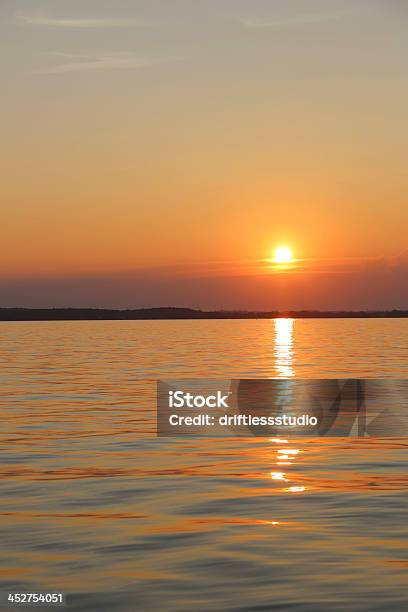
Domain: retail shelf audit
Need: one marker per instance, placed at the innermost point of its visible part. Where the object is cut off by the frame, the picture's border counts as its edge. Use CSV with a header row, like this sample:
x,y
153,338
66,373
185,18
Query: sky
x,y
156,152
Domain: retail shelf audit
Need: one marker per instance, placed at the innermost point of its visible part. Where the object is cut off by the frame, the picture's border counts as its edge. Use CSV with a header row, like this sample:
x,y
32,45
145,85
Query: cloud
x,y
109,61
392,262
51,22
374,289
290,22
375,286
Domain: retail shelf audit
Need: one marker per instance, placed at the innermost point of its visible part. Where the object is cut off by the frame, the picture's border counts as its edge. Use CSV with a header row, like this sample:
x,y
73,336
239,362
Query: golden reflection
x,y
279,476
278,440
283,347
286,456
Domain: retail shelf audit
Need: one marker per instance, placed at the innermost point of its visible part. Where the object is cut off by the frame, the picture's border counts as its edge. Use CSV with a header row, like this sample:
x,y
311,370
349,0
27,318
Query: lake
x,y
95,505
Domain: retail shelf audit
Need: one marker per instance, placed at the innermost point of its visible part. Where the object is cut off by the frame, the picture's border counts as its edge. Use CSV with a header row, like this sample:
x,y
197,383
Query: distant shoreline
x,y
151,314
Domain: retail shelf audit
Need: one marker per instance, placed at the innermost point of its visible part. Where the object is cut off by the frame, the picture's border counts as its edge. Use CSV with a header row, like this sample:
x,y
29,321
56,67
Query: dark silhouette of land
x,y
94,314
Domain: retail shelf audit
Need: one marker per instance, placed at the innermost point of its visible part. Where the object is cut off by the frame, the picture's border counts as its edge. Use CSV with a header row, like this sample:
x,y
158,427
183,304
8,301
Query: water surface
x,y
92,503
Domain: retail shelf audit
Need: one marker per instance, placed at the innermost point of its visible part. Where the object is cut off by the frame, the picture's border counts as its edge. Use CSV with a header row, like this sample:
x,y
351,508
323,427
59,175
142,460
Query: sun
x,y
283,255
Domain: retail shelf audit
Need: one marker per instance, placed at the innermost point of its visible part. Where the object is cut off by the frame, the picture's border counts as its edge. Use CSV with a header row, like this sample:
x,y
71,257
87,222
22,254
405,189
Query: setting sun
x,y
283,255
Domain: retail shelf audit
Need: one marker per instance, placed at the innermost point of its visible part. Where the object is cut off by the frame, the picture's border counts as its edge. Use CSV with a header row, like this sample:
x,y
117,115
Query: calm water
x,y
94,505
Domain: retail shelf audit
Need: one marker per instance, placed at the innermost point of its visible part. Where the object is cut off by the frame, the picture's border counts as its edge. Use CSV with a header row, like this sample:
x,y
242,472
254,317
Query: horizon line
x,y
70,313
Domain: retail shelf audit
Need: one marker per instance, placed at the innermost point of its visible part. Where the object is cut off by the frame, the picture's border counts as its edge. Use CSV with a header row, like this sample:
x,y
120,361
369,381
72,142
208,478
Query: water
x,y
94,505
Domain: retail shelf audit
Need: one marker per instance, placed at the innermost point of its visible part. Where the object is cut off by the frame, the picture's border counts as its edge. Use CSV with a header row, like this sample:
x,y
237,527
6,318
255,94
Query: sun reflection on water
x,y
286,456
279,476
283,347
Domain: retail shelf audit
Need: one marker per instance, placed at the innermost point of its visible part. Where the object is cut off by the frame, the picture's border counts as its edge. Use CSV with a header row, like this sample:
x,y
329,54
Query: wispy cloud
x,y
52,22
290,22
111,61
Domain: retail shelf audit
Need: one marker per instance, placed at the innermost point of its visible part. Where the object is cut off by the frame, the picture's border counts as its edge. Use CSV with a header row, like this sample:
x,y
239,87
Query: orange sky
x,y
137,137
